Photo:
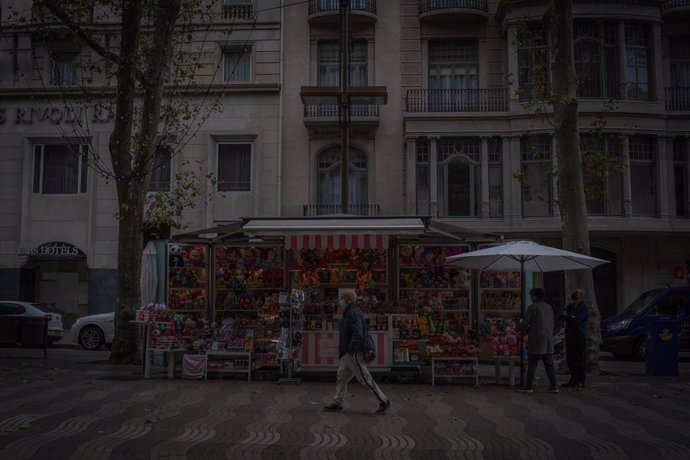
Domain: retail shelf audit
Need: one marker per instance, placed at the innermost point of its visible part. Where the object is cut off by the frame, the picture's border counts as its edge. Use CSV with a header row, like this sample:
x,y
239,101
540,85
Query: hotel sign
x,y
55,115
53,250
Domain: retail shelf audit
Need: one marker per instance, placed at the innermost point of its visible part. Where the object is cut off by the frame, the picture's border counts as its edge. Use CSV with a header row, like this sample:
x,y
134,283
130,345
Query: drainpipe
x,y
279,204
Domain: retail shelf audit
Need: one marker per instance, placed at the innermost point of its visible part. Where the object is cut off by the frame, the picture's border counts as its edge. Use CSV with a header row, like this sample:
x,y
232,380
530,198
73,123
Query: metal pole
x,y
344,103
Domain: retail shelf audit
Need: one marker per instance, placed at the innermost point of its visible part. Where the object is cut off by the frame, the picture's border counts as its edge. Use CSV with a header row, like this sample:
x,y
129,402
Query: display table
x,y
454,368
511,360
229,362
147,350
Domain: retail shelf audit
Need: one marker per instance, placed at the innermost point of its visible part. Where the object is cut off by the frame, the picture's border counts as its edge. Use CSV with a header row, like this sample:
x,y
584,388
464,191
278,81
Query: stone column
x,y
687,176
627,188
656,62
622,82
411,176
515,166
664,181
486,205
513,83
507,176
554,179
433,176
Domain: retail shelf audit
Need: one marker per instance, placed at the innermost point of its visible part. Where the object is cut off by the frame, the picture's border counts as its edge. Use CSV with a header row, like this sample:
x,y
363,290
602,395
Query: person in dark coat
x,y
353,339
537,324
576,317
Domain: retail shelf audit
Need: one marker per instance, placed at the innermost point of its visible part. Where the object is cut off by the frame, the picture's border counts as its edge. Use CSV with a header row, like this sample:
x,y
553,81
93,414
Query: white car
x,y
94,331
30,309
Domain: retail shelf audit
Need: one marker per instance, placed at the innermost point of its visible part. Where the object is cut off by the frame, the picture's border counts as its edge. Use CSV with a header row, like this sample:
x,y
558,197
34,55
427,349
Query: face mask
x,y
342,304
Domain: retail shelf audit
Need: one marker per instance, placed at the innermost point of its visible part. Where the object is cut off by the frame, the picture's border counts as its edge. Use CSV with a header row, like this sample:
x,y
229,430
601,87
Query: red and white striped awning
x,y
331,241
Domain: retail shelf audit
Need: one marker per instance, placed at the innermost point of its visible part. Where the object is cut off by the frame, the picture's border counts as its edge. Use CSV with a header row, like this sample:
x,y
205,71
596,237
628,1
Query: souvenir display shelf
x,y
188,277
229,362
425,281
323,273
247,281
499,312
247,278
450,367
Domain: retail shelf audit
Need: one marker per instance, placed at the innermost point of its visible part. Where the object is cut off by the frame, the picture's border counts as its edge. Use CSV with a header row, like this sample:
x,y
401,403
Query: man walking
x,y
576,317
538,325
353,340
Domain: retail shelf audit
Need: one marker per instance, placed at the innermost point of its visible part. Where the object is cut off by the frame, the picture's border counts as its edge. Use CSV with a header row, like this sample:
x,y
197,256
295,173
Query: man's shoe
x,y
333,408
383,407
569,385
580,386
553,390
525,390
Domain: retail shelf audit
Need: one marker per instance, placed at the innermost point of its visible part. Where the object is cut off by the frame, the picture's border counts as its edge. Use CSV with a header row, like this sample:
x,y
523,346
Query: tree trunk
x,y
571,193
130,196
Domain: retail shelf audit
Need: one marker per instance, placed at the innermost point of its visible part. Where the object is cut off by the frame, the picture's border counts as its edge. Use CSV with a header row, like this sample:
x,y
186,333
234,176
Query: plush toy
x,y
175,259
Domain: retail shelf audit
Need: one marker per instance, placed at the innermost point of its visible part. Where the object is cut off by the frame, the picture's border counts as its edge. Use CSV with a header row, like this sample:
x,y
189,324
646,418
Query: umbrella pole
x,y
522,315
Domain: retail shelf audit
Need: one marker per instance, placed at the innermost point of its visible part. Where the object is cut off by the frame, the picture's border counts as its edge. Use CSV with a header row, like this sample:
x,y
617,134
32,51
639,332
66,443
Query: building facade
x,y
460,138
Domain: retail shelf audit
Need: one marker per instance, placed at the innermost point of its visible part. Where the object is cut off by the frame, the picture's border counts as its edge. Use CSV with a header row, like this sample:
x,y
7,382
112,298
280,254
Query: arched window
x,y
328,180
459,186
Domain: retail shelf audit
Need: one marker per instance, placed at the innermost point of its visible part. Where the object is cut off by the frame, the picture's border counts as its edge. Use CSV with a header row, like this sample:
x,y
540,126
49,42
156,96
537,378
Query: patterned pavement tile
x,y
95,412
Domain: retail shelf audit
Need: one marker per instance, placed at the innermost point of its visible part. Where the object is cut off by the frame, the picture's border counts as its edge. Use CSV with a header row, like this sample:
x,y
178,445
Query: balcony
x,y
677,8
238,9
328,11
457,100
451,10
677,98
369,210
329,115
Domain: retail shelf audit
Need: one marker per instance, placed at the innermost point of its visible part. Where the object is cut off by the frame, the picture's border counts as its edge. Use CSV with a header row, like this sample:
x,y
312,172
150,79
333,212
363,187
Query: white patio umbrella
x,y
149,274
524,256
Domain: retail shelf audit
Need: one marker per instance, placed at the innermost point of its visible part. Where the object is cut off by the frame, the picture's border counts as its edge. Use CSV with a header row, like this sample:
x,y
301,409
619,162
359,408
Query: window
x,y
11,309
234,167
160,171
603,180
329,63
60,168
595,59
422,179
642,175
536,172
680,175
637,61
65,68
328,180
495,177
329,73
671,304
533,62
237,64
459,176
679,57
453,74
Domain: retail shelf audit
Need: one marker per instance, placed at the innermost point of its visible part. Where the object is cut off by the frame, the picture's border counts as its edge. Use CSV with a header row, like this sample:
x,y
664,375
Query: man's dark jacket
x,y
352,331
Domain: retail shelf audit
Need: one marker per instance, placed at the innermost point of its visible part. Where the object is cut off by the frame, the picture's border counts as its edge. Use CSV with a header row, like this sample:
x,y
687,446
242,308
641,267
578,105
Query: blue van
x,y
624,334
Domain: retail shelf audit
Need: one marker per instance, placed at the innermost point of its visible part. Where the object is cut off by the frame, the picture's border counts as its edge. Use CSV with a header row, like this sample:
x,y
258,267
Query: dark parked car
x,y
624,334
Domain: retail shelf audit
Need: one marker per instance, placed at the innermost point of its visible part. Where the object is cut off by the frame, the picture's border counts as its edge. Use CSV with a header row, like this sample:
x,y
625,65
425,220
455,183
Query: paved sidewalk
x,y
71,408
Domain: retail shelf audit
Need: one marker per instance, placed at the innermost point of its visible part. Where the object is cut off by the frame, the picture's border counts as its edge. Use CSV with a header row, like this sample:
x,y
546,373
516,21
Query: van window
x,y
671,304
641,302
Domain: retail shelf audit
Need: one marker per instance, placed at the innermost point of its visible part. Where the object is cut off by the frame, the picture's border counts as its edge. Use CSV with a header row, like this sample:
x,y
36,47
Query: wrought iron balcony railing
x,y
457,100
369,210
426,6
677,98
322,6
668,4
330,111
